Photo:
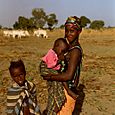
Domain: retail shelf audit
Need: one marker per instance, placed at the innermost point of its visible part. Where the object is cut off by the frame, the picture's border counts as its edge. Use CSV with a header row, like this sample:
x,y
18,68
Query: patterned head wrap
x,y
73,21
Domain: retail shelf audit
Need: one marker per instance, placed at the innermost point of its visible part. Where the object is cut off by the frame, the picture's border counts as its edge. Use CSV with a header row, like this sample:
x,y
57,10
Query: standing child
x,y
21,96
55,63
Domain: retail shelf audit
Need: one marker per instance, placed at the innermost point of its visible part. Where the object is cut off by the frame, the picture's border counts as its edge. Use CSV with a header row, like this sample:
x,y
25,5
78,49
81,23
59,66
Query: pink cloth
x,y
51,60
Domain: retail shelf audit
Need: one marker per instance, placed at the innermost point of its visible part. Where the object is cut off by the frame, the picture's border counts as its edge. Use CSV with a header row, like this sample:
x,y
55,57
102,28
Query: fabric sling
x,y
56,94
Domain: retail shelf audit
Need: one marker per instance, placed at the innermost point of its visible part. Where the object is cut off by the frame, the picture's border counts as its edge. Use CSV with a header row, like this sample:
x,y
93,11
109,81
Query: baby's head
x,y
60,47
18,72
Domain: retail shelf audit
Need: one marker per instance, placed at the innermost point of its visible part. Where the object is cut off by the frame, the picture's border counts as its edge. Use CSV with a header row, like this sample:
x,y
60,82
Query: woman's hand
x,y
47,77
72,94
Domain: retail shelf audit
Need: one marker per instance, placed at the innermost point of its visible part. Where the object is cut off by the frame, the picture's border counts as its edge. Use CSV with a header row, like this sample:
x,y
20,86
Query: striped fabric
x,y
17,97
56,94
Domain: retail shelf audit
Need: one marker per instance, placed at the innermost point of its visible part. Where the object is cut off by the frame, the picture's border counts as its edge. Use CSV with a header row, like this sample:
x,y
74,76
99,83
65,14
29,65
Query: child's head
x,y
60,47
18,72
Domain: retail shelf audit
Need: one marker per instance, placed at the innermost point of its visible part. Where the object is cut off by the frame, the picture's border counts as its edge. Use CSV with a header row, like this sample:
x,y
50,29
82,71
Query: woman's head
x,y
18,72
72,28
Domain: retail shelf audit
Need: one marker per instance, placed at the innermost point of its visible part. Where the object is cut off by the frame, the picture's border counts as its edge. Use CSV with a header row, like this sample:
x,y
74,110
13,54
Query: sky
x,y
104,10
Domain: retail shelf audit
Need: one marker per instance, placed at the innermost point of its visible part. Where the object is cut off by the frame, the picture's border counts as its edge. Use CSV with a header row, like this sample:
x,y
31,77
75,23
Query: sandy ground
x,y
97,81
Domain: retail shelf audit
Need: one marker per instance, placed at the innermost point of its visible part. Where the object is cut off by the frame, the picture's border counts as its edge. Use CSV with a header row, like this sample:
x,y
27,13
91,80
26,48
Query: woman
x,y
74,57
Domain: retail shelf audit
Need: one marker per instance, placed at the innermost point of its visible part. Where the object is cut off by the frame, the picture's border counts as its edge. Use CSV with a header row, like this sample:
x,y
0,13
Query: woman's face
x,y
71,33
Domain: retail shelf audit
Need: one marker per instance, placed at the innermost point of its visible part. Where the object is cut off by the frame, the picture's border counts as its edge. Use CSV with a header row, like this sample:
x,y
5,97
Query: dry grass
x,y
97,73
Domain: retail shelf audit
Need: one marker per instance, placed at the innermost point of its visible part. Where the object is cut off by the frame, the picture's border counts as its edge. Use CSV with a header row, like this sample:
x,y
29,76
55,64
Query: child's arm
x,y
71,93
33,97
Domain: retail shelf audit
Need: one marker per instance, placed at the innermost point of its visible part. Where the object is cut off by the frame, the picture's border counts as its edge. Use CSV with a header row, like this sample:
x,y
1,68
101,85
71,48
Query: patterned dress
x,y
72,83
56,95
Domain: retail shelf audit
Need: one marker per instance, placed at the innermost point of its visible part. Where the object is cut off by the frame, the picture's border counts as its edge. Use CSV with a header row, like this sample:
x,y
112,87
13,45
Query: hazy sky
x,y
104,10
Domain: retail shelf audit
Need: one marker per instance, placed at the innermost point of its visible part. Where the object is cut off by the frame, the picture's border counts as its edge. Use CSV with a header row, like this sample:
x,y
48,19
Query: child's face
x,y
61,50
18,75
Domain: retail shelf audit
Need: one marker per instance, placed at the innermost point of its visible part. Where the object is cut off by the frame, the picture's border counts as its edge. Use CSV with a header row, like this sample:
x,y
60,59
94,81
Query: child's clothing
x,y
56,95
18,97
51,60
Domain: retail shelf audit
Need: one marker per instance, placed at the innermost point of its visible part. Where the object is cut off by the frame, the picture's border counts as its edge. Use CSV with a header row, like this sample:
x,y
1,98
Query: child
x,y
21,96
55,63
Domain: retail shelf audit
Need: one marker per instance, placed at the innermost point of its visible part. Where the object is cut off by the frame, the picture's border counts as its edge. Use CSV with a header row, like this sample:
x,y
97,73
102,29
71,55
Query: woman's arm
x,y
70,93
68,75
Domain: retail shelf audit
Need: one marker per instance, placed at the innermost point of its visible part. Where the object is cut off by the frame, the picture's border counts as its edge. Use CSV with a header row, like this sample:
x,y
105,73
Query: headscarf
x,y
73,21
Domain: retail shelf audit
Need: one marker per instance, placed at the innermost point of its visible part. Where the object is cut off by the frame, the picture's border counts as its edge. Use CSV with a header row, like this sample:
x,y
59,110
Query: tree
x,y
97,24
16,25
0,26
31,24
62,26
24,23
39,17
84,21
51,21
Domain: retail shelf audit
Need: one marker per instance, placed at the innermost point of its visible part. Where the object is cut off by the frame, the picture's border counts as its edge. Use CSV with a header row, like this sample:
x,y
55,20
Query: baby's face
x,y
18,75
61,51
